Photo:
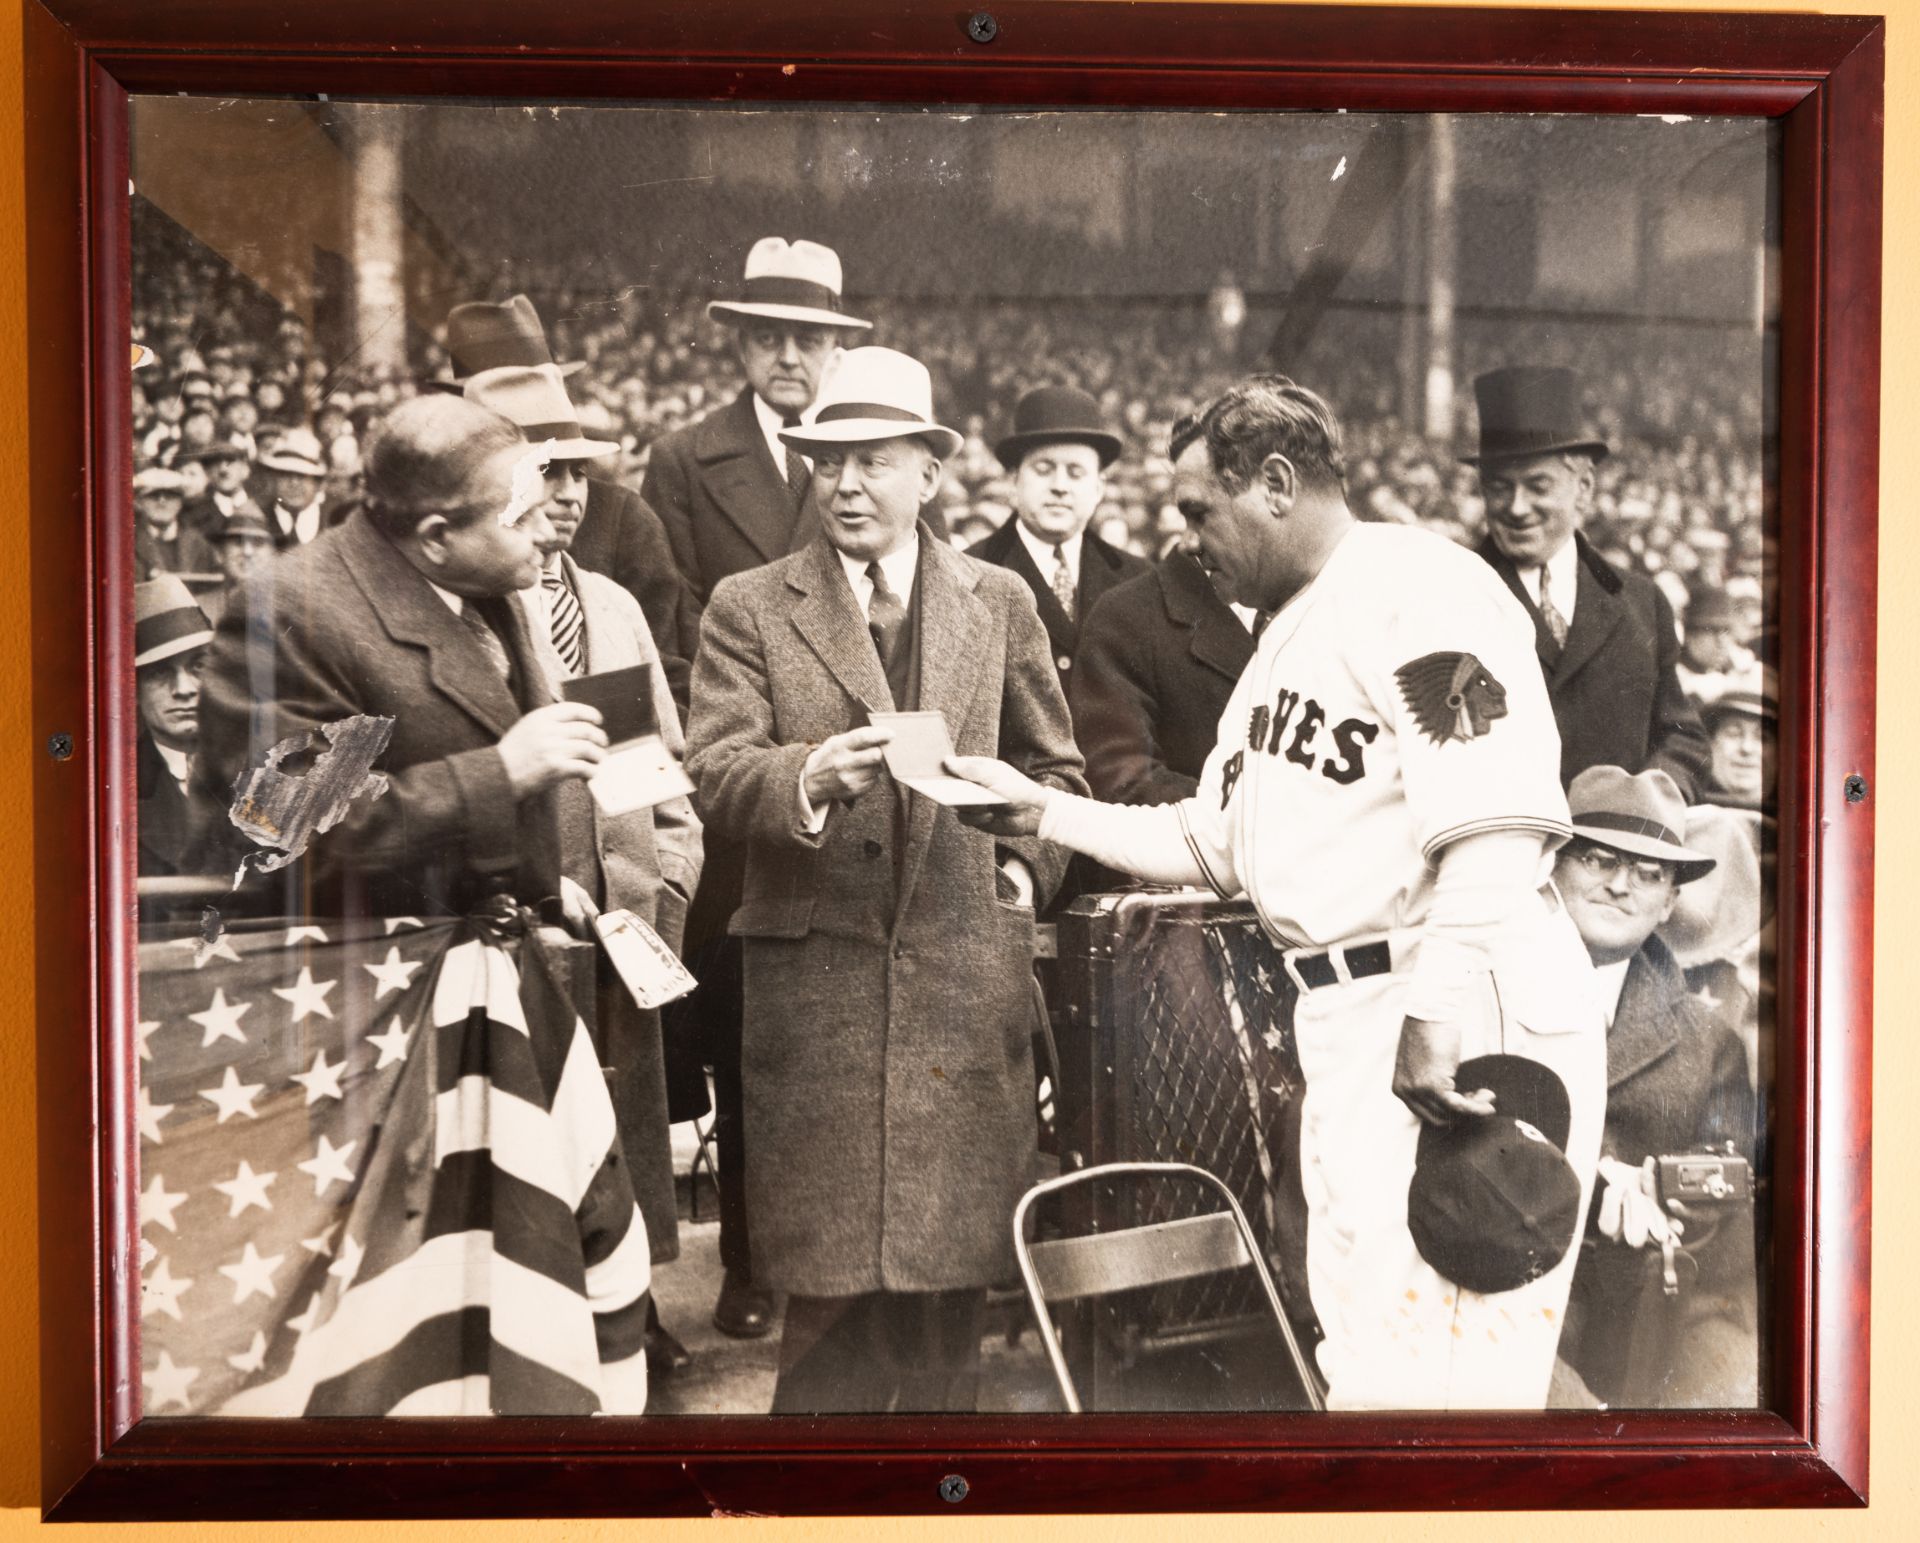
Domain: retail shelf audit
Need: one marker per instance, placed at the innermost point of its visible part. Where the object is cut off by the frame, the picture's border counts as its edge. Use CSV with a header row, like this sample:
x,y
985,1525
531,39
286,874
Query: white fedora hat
x,y
166,621
536,400
874,393
789,281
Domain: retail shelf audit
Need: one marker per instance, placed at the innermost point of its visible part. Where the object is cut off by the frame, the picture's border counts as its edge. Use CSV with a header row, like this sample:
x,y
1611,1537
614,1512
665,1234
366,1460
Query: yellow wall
x,y
1896,1360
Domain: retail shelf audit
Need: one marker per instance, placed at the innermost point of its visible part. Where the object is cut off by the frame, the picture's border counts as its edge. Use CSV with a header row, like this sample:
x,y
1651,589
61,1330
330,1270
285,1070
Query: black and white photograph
x,y
832,760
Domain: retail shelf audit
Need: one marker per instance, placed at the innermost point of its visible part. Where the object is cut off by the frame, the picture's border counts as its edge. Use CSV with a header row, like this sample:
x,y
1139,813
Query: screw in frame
x,y
982,28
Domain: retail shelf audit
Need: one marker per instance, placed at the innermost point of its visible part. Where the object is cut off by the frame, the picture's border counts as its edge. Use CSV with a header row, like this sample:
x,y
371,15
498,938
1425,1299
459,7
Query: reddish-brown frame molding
x,y
1821,76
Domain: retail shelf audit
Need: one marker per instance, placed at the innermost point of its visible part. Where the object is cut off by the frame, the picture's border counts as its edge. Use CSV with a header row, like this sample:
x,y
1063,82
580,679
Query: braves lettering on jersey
x,y
1394,705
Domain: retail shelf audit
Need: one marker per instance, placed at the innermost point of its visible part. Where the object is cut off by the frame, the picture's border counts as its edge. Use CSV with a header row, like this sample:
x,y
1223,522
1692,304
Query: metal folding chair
x,y
1097,1264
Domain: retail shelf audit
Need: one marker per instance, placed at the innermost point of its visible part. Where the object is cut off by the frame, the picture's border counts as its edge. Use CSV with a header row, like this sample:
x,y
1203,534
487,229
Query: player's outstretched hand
x,y
1024,799
1423,1074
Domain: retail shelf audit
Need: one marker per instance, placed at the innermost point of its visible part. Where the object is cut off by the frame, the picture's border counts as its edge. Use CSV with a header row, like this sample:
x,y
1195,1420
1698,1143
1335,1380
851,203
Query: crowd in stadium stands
x,y
249,437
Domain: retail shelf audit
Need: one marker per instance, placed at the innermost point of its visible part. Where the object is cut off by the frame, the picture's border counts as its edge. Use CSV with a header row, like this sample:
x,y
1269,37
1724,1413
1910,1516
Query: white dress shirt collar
x,y
455,603
179,762
1044,553
899,566
771,424
1608,981
1563,578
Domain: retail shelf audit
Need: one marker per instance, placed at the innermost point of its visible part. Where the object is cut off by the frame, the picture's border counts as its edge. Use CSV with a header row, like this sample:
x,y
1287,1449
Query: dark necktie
x,y
1550,614
885,615
797,474
569,626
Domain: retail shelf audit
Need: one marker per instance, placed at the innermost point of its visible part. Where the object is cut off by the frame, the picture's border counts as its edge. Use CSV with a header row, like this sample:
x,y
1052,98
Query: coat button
x,y
871,847
1064,662
899,950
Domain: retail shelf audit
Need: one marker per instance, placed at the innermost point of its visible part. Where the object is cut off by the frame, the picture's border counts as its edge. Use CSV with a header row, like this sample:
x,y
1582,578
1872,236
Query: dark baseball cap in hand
x,y
1494,1202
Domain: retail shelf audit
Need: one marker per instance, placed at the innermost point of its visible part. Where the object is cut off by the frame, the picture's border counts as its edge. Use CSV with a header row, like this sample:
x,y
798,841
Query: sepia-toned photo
x,y
820,760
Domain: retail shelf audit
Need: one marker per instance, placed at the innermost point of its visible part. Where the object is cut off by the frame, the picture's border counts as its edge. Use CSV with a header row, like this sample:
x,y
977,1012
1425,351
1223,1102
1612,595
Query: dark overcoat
x,y
345,625
621,537
890,1000
188,552
1102,567
173,827
1616,695
1159,657
1676,1082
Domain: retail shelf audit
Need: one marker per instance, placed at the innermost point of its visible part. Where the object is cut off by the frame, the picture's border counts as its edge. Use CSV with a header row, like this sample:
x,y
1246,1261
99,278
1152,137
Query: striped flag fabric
x,y
379,1176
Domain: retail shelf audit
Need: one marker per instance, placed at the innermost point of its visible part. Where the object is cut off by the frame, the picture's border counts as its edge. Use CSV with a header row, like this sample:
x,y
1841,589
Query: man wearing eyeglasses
x,y
1663,1311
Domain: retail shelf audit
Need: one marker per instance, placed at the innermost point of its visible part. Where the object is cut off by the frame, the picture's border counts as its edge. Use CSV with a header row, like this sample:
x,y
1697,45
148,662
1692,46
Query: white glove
x,y
1629,1211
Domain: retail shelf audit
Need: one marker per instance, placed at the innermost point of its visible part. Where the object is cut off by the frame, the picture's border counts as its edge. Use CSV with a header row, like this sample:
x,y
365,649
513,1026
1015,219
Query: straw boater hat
x,y
789,281
166,621
1056,415
296,450
874,393
537,402
1643,816
484,336
1529,410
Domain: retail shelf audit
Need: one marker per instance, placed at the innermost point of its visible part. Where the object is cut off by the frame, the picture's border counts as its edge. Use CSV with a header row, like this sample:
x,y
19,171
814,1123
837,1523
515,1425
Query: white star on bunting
x,y
295,934
168,1384
246,1188
252,1274
161,1293
303,1325
157,1204
233,1097
148,1115
253,1357
321,1243
328,1163
393,1043
395,923
148,1253
306,996
145,1029
321,1080
393,974
221,1020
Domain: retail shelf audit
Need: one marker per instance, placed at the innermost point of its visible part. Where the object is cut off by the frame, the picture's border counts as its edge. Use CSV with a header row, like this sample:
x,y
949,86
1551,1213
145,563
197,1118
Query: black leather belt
x,y
1316,970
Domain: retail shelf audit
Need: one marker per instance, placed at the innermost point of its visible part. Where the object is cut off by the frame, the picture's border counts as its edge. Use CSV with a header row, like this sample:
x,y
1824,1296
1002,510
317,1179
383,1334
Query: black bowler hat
x,y
1056,415
1530,410
1494,1202
484,336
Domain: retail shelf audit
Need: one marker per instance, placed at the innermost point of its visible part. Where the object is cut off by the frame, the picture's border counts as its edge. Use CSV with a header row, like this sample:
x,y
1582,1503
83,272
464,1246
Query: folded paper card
x,y
917,756
639,770
646,966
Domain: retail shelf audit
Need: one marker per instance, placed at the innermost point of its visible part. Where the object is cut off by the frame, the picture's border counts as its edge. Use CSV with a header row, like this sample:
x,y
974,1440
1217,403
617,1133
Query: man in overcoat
x,y
731,494
1057,454
404,612
1606,639
1678,1084
888,949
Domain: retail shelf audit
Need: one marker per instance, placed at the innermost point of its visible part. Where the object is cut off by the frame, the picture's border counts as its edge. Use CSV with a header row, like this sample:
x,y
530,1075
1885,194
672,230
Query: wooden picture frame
x,y
1821,77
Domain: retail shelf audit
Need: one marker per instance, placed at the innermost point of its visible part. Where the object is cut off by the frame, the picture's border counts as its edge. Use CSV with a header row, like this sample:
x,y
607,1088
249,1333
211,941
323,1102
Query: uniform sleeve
x,y
1183,843
1457,678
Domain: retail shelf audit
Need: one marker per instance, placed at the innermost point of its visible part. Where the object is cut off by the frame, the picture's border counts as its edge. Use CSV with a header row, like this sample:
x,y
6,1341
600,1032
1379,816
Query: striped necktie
x,y
797,473
569,626
1550,614
885,615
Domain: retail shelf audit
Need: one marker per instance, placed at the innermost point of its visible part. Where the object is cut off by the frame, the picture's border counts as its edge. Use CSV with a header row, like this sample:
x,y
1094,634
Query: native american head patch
x,y
1452,696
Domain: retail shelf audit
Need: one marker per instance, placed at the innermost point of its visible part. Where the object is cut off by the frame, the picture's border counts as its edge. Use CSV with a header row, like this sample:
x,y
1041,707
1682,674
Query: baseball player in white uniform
x,y
1385,790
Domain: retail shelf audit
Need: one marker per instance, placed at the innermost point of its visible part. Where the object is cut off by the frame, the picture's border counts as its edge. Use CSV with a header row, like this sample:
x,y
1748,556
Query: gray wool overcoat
x,y
890,1000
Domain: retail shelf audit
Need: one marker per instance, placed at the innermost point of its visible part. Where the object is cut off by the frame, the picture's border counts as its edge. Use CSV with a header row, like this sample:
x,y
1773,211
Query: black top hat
x,y
1530,410
485,336
1056,415
1494,1202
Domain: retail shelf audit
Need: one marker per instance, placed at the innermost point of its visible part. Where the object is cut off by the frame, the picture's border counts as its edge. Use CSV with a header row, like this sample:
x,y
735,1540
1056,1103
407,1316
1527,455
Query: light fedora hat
x,y
872,394
536,400
789,281
166,621
1642,815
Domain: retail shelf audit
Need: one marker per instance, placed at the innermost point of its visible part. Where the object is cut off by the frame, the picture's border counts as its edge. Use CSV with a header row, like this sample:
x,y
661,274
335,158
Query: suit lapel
x,y
1215,636
1019,560
1597,611
1644,1024
741,480
829,619
412,613
953,632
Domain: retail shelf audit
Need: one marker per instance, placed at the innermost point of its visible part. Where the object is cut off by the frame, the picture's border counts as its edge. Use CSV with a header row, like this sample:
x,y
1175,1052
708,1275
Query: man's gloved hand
x,y
1629,1210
